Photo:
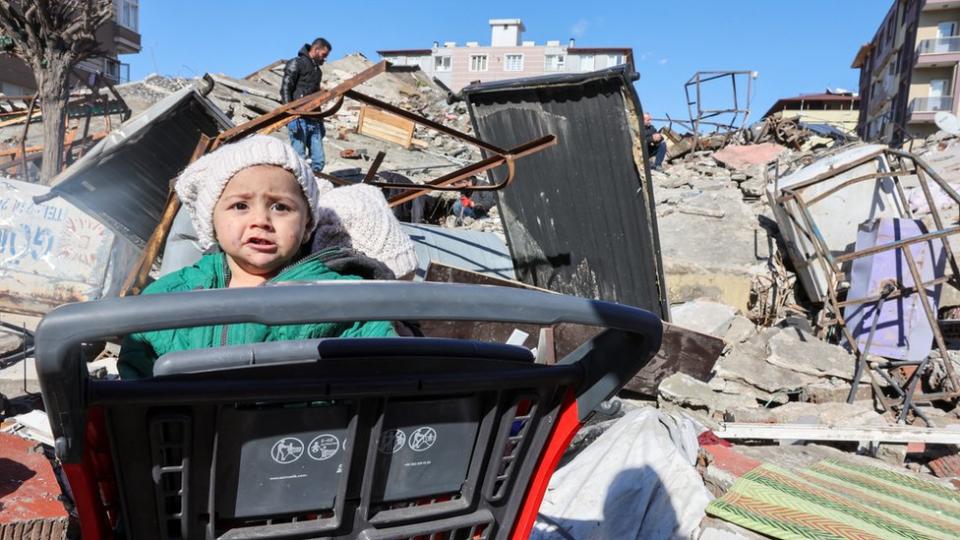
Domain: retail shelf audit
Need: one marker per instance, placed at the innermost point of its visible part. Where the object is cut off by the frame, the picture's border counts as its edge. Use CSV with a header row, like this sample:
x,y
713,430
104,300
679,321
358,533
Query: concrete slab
x,y
740,157
856,414
704,316
690,393
794,349
747,364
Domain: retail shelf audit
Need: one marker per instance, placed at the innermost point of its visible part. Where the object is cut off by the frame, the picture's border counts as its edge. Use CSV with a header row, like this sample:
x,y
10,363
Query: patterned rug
x,y
836,499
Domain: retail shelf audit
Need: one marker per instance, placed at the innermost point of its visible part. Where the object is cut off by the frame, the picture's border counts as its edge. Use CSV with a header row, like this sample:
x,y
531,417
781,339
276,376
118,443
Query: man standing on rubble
x,y
656,146
301,77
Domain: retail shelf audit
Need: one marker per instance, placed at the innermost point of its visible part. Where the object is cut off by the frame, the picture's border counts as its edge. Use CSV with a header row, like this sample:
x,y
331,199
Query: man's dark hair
x,y
322,43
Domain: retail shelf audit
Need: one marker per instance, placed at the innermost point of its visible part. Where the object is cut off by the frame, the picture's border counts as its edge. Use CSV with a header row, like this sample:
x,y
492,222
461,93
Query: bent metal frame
x,y
902,165
310,106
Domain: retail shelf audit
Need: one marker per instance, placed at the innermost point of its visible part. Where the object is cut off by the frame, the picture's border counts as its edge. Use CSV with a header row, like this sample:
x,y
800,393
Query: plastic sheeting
x,y
637,480
53,253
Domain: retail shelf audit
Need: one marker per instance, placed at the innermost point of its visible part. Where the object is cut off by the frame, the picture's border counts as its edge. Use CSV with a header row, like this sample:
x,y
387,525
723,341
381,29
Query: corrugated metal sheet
x,y
477,251
579,217
125,178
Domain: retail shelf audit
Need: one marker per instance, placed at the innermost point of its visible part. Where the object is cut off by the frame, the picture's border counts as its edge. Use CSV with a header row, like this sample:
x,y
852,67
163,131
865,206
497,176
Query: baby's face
x,y
260,221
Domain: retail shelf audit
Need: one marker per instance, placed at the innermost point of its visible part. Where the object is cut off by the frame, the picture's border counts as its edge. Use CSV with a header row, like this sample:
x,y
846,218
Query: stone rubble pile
x,y
722,254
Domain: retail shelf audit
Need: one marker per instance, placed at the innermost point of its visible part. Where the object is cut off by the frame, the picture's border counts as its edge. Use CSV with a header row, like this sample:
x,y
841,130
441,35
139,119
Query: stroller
x,y
386,438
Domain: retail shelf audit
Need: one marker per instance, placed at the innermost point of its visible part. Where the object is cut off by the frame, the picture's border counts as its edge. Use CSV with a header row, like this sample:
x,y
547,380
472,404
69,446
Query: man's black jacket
x,y
301,76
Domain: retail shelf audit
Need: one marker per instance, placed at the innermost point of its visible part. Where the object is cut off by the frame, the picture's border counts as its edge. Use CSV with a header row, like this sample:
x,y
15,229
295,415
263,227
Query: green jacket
x,y
140,350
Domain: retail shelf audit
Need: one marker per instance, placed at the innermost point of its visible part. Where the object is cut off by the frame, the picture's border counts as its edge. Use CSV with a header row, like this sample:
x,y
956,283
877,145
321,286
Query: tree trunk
x,y
53,85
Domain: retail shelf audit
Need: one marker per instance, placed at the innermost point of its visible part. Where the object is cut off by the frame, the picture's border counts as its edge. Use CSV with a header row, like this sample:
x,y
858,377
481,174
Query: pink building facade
x,y
507,57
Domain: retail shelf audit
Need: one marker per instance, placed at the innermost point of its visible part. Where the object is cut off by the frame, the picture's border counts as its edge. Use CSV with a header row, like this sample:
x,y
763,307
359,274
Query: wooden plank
x,y
385,126
681,351
816,432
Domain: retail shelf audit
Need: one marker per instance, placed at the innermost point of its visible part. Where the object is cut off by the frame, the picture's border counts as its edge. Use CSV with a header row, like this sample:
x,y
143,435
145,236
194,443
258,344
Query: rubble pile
x,y
722,254
347,151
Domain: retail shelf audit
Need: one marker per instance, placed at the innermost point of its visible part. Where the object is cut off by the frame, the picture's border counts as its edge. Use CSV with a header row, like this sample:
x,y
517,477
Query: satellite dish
x,y
947,122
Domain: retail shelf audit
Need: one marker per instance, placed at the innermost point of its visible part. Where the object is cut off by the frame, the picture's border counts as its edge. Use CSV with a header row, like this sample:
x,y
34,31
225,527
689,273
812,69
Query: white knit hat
x,y
201,183
358,217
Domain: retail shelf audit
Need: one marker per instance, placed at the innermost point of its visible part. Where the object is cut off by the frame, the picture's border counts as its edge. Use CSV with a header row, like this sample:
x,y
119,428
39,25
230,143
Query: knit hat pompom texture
x,y
359,217
203,181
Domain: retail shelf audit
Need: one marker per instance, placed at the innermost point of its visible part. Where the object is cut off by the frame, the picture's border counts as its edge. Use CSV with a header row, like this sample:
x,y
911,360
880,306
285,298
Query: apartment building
x,y
118,37
837,108
508,56
909,71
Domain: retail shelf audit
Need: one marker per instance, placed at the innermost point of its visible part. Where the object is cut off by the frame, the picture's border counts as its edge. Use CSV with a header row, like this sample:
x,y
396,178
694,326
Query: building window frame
x,y
613,60
558,63
479,62
127,14
513,62
588,60
443,63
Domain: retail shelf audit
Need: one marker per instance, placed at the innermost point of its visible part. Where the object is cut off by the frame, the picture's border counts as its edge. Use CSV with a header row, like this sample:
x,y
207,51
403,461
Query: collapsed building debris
x,y
749,244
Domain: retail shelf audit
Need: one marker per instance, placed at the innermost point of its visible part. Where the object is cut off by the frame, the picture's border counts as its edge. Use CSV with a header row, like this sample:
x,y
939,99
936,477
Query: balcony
x,y
931,104
942,45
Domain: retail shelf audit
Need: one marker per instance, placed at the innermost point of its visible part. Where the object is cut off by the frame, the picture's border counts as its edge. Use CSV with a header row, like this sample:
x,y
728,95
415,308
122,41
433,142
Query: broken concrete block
x,y
9,343
834,391
856,414
763,397
739,330
799,351
752,188
738,157
684,390
747,363
704,316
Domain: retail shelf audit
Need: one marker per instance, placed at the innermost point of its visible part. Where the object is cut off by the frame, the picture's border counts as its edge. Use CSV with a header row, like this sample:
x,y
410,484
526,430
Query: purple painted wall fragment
x,y
903,331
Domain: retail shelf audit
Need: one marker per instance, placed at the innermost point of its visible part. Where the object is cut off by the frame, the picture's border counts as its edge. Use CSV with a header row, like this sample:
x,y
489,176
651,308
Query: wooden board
x,y
682,350
385,126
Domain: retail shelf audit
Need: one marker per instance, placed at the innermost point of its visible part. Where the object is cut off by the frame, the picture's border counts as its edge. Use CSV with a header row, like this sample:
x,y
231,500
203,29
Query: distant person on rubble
x,y
302,77
656,146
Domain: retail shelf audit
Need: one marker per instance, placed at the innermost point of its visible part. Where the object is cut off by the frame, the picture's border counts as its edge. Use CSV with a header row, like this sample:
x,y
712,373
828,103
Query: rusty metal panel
x,y
52,253
580,217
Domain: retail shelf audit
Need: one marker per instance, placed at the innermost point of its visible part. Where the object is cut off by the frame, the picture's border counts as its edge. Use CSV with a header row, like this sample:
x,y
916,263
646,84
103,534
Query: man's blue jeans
x,y
306,133
659,153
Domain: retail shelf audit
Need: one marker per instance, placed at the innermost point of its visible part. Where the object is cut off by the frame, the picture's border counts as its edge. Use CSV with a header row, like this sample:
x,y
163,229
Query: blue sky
x,y
796,47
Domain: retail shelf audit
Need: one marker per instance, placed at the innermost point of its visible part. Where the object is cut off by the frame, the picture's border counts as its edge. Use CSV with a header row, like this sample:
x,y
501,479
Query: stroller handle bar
x,y
62,372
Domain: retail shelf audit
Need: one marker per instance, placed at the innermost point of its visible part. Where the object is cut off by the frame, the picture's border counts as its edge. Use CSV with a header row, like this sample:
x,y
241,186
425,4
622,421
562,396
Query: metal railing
x,y
942,45
931,104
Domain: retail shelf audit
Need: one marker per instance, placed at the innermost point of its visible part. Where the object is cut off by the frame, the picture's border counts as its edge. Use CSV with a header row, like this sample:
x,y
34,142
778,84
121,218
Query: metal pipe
x,y
896,245
845,184
937,221
932,319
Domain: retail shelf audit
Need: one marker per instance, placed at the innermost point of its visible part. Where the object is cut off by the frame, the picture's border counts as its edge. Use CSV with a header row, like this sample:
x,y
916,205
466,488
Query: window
x,y
127,13
441,63
478,62
555,62
947,29
587,62
513,62
613,60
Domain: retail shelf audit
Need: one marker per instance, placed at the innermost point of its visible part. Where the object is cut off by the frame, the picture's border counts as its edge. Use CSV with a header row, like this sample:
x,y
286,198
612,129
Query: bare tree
x,y
53,36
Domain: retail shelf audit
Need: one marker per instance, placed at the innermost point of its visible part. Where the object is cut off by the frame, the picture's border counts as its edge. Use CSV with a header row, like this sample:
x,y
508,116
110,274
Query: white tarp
x,y
637,480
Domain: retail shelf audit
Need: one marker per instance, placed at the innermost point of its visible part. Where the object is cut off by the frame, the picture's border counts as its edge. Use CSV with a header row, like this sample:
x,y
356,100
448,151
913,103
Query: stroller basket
x,y
383,438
